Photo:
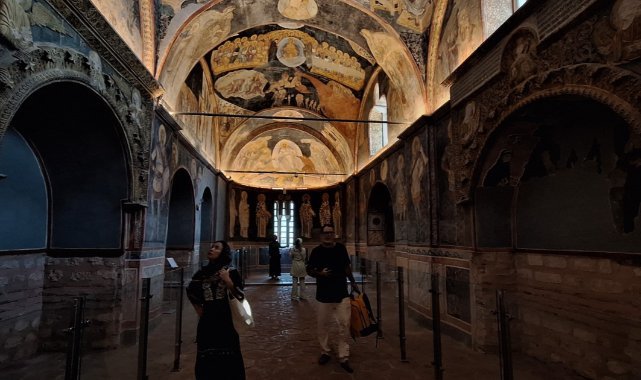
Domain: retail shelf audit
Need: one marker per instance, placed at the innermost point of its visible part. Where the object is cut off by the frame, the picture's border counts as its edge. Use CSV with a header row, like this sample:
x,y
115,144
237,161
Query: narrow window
x,y
378,131
284,222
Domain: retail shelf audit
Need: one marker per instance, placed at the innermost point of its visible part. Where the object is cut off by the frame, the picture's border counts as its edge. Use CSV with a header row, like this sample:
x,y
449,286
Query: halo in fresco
x,y
291,25
287,113
298,9
291,52
287,156
384,170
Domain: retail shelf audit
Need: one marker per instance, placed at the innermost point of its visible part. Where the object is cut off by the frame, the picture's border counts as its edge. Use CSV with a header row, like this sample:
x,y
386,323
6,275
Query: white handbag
x,y
241,312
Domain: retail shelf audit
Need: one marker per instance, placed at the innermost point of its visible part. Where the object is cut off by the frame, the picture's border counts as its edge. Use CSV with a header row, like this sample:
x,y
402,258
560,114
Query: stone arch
x,y
47,66
607,85
380,216
182,218
569,153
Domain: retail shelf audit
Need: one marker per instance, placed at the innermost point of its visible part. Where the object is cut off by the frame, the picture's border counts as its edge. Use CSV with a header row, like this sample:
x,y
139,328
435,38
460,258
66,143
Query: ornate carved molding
x,y
612,86
148,31
99,34
29,72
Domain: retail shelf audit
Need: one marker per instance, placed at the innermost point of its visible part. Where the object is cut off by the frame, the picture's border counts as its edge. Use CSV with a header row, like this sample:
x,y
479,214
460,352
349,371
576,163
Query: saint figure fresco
x,y
306,217
262,216
243,214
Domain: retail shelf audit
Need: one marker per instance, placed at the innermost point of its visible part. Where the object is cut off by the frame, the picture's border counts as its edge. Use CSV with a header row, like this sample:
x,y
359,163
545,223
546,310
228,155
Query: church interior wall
x,y
527,181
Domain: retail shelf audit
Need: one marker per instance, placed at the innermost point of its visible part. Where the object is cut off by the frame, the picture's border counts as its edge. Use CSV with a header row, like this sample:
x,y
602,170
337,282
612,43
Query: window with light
x,y
518,4
284,216
378,131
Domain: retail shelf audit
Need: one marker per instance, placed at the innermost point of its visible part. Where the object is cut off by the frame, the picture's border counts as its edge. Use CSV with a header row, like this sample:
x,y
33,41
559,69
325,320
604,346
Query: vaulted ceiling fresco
x,y
296,78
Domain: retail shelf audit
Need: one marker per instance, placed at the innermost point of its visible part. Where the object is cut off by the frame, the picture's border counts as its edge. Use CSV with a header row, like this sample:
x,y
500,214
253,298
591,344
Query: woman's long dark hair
x,y
224,258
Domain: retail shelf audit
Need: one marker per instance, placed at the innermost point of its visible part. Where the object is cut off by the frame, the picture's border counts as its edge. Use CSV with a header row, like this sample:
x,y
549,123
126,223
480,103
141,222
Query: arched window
x,y
378,131
284,216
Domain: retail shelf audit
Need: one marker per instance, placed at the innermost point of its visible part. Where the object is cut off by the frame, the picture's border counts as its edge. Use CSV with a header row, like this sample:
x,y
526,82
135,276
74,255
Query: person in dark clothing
x,y
218,345
329,263
274,258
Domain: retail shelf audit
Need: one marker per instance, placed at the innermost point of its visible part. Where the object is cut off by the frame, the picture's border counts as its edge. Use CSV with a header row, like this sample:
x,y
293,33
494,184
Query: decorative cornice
x,y
30,71
148,32
612,86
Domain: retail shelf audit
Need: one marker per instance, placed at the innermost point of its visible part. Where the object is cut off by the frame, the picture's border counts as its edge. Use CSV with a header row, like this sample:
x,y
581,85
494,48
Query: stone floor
x,y
283,346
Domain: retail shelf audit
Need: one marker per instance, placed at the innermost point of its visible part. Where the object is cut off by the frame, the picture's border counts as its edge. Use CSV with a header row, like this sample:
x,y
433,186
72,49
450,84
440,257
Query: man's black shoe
x,y
324,358
347,367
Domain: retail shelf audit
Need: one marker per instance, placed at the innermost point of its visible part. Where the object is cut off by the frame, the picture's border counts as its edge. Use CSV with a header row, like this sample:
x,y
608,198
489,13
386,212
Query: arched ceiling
x,y
248,62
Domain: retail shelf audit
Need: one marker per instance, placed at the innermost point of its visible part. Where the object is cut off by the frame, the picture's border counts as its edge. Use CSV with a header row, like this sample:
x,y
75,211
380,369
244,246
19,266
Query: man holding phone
x,y
329,263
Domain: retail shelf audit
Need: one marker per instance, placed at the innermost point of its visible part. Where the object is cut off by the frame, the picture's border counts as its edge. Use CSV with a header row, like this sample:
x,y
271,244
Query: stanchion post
x,y
401,314
436,327
379,313
144,329
74,347
505,349
179,321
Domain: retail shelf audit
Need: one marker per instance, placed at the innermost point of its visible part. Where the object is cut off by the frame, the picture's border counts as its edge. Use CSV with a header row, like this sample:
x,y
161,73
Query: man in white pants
x,y
329,263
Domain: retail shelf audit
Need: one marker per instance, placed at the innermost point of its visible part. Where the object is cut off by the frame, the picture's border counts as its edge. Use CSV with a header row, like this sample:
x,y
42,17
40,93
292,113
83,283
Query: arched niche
x,y
380,216
76,153
180,226
561,174
206,223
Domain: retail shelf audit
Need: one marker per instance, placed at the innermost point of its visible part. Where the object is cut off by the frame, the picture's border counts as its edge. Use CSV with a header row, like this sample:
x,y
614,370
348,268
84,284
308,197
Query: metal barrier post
x,y
144,329
379,314
74,348
436,328
401,314
505,350
179,321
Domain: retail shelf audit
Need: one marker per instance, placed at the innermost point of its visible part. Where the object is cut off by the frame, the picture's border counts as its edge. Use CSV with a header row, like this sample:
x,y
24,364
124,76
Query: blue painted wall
x,y
23,196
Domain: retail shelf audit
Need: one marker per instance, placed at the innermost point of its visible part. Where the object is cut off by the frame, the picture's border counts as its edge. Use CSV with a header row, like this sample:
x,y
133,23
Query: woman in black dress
x,y
219,356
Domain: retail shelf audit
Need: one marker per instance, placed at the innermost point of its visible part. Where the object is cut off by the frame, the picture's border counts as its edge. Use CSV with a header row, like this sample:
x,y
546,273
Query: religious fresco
x,y
251,214
285,158
462,33
318,131
270,59
406,97
445,149
262,69
398,190
195,94
163,159
193,45
124,17
618,37
415,15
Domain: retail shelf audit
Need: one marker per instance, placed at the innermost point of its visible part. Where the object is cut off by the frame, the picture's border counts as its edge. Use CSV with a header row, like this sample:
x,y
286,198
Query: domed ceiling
x,y
278,93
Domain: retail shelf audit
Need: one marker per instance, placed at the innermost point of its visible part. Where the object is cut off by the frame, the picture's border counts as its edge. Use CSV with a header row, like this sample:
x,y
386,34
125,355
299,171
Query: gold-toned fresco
x,y
462,34
193,45
415,15
225,124
406,98
325,131
122,15
194,98
293,48
260,63
285,158
307,215
298,9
